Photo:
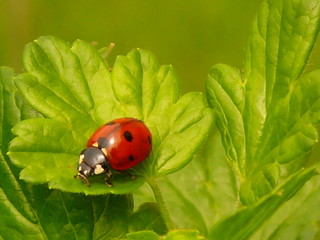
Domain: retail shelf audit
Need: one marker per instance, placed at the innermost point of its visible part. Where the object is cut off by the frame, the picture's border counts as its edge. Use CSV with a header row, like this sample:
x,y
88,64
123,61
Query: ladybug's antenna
x,y
72,168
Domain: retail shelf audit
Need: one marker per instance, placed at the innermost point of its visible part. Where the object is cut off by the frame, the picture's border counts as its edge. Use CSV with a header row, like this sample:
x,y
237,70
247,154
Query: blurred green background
x,y
190,34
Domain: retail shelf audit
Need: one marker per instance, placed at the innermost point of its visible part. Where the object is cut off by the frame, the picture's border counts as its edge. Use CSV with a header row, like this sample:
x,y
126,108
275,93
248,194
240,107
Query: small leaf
x,y
148,217
183,235
74,89
246,221
225,91
179,234
143,235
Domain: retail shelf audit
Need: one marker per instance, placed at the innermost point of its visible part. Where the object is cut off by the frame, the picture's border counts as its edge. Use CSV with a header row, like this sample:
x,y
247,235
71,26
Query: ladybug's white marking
x,y
104,150
85,172
95,144
98,169
79,168
81,158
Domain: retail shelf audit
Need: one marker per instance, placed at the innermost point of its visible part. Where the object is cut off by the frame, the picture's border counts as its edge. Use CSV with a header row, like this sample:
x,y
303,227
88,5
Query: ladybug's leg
x,y
84,178
108,178
132,176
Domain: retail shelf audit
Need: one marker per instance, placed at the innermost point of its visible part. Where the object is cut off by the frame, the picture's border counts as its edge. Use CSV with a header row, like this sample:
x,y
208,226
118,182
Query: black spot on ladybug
x,y
110,123
149,139
131,158
128,136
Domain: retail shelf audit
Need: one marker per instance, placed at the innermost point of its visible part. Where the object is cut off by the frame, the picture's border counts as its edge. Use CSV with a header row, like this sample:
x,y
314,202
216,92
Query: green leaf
x,y
297,134
73,216
246,221
173,235
148,217
74,89
34,212
298,219
282,38
280,44
267,118
183,235
143,235
200,194
225,90
14,204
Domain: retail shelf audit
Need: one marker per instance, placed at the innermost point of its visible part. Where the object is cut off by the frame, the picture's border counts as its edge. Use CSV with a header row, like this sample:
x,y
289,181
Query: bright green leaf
x,y
280,44
297,134
73,87
268,119
179,234
183,235
225,91
282,38
143,235
34,212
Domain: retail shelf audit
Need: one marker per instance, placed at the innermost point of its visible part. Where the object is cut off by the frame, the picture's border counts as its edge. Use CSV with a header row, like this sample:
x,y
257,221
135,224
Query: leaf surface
x,y
201,193
74,89
267,118
297,219
35,212
246,221
148,217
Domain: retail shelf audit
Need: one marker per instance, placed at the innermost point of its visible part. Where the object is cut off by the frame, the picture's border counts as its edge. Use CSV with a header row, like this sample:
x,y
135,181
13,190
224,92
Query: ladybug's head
x,y
92,161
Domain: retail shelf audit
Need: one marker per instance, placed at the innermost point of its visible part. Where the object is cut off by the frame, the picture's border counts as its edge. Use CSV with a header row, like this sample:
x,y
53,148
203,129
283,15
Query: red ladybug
x,y
119,144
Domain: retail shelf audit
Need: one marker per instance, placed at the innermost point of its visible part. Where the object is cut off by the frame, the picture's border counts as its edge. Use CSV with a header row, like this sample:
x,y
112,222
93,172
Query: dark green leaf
x,y
246,221
148,217
298,219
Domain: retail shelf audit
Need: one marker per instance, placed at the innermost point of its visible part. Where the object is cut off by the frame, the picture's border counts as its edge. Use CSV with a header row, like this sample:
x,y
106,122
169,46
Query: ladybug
x,y
119,144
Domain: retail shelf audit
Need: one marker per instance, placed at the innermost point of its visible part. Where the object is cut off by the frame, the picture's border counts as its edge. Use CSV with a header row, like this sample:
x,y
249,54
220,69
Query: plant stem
x,y
162,205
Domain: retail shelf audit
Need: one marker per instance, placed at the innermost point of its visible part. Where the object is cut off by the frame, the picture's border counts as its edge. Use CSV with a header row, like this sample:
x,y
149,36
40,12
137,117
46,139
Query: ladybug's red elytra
x,y
119,144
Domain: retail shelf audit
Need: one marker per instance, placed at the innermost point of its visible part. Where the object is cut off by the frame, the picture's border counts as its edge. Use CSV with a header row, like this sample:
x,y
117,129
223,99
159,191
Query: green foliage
x,y
148,217
35,212
297,219
74,89
246,221
266,117
173,235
